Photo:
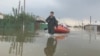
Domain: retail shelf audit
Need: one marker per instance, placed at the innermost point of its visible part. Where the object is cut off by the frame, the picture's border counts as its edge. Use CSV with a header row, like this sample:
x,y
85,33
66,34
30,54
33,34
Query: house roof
x,y
1,13
92,25
40,21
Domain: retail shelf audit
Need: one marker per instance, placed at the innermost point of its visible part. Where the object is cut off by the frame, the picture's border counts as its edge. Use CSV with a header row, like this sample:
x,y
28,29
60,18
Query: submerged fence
x,y
8,26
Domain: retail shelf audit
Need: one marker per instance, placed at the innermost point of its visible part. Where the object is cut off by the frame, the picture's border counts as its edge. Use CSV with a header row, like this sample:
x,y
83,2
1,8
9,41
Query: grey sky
x,y
76,9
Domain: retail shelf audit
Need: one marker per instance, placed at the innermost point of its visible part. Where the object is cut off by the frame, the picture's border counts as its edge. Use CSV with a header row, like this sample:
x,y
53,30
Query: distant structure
x,y
1,16
40,19
94,26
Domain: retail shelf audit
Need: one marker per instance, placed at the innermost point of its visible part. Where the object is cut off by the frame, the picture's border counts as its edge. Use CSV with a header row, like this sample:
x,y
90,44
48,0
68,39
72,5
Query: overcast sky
x,y
76,9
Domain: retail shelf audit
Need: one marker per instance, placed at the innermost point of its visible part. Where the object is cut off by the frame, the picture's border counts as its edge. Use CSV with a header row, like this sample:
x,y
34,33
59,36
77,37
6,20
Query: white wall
x,y
1,16
94,28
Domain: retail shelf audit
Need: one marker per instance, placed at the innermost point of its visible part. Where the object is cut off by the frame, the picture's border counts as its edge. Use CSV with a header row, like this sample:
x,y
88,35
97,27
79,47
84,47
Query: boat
x,y
61,29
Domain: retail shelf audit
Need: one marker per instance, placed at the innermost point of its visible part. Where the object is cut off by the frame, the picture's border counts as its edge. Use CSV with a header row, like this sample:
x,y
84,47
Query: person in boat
x,y
52,22
51,46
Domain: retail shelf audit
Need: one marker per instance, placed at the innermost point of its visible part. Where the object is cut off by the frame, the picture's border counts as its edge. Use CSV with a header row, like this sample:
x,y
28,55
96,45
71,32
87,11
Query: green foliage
x,y
26,18
16,20
19,17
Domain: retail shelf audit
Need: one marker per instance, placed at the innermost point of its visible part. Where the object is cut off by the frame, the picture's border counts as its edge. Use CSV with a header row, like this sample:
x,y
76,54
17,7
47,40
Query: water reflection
x,y
17,45
17,39
51,46
92,34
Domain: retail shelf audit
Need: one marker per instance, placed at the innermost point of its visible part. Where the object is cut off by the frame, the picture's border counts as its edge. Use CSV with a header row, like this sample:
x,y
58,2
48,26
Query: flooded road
x,y
76,43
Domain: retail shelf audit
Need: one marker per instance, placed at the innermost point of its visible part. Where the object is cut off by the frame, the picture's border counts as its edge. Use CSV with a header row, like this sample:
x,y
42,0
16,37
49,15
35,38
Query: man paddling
x,y
52,22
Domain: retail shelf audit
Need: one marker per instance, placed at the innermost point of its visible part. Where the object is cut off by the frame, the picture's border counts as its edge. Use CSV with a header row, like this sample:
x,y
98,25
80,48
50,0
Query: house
x,y
40,23
1,16
94,27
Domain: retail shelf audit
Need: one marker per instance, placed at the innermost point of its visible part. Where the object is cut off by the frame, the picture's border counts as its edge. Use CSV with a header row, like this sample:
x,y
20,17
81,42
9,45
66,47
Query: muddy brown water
x,y
76,43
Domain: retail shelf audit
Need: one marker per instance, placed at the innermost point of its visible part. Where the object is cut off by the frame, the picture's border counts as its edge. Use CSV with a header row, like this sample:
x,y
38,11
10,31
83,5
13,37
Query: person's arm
x,y
56,22
47,20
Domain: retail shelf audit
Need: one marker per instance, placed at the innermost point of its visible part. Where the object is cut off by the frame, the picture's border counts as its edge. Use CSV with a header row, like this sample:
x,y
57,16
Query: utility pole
x,y
90,20
82,24
24,5
24,15
19,6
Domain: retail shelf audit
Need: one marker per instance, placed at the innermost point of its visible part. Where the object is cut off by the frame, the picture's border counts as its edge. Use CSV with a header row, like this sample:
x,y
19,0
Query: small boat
x,y
61,29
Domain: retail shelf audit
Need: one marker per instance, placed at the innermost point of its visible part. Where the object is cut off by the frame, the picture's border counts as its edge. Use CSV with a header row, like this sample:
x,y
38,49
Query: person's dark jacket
x,y
52,21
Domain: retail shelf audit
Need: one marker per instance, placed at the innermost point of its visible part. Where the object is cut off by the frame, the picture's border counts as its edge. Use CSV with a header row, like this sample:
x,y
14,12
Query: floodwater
x,y
76,43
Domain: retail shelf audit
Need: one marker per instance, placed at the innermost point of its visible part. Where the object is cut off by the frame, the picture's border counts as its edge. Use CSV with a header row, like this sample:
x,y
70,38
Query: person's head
x,y
51,13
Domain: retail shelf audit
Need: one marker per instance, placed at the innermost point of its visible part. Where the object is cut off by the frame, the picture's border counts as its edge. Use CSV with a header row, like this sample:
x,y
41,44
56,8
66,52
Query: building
x,y
93,27
40,23
1,16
